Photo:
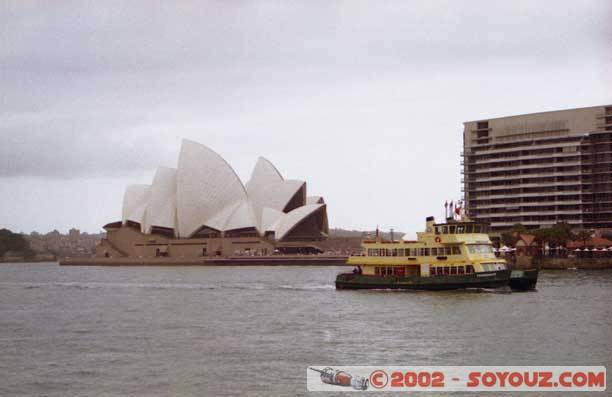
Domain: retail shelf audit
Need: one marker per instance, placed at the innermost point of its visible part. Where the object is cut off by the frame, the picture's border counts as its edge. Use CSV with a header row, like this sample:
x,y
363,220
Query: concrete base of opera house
x,y
275,260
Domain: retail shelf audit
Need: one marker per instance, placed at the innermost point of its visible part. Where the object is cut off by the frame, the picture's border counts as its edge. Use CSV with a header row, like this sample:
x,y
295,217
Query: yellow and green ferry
x,y
452,255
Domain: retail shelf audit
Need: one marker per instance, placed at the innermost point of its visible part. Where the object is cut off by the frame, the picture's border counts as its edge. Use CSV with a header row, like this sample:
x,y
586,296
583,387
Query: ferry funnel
x,y
429,224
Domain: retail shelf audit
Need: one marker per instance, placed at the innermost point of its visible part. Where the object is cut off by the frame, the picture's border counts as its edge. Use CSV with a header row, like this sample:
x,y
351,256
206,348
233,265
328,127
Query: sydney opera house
x,y
201,208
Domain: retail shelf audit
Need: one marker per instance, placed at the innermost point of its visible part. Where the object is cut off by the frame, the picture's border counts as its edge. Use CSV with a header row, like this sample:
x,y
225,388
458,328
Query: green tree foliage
x,y
583,235
555,236
507,239
519,228
10,241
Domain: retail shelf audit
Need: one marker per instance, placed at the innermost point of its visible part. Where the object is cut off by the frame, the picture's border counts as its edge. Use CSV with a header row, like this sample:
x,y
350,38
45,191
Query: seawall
x,y
574,263
276,260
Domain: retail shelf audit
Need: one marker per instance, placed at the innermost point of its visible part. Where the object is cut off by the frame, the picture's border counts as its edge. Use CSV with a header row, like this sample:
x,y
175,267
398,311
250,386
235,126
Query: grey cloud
x,y
103,88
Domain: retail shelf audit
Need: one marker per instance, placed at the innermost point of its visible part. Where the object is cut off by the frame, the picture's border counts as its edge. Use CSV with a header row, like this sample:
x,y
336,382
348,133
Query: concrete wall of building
x,y
127,241
565,122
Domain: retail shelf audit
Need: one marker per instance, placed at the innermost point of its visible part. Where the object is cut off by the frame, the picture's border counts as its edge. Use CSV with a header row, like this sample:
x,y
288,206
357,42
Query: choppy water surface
x,y
253,330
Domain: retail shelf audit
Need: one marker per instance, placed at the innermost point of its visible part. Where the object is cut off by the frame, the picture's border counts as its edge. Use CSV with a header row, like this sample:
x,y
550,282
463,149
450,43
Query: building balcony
x,y
486,196
529,213
499,224
526,204
527,167
526,157
475,179
527,146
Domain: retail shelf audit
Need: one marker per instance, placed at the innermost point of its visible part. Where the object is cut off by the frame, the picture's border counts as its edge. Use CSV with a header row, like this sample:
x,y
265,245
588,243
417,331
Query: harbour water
x,y
254,330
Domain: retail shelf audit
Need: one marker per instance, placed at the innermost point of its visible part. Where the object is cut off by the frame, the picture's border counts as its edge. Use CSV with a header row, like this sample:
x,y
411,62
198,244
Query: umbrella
x,y
577,250
586,249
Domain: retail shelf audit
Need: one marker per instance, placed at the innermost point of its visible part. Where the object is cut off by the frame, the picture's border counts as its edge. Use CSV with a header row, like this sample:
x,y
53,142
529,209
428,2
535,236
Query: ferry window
x,y
447,250
434,251
440,271
461,270
453,270
414,252
389,271
383,271
389,253
446,270
370,252
432,271
377,271
460,229
469,269
437,230
456,250
444,229
480,249
394,252
469,228
476,228
451,229
382,252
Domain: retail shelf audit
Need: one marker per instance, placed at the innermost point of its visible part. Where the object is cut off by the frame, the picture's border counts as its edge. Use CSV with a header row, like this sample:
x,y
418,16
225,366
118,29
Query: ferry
x,y
452,255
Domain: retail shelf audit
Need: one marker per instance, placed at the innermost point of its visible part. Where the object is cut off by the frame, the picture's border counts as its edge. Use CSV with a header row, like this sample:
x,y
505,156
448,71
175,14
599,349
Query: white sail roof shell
x,y
161,210
275,195
263,174
135,201
292,218
270,219
238,215
241,218
206,184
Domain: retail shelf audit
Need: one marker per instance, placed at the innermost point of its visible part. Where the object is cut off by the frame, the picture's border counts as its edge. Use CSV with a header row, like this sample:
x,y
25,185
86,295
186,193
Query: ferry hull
x,y
524,280
494,279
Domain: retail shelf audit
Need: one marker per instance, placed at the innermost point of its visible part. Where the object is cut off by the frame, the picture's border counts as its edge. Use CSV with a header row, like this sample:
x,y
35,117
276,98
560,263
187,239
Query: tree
x,y
507,239
583,235
542,236
10,241
557,235
519,228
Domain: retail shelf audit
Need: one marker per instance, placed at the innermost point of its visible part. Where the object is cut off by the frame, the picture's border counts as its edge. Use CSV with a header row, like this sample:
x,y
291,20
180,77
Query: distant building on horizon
x,y
539,169
201,208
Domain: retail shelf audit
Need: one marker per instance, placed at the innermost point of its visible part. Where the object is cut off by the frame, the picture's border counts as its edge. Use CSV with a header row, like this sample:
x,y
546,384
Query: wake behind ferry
x,y
452,255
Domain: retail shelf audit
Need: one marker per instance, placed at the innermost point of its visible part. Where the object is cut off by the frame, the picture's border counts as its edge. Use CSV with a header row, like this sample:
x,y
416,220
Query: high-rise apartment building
x,y
541,168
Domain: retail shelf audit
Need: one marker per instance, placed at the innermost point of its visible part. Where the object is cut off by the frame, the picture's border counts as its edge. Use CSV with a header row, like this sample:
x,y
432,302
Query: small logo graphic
x,y
335,377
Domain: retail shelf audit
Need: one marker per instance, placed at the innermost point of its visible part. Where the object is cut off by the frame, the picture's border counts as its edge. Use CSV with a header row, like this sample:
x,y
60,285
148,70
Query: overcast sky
x,y
363,100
